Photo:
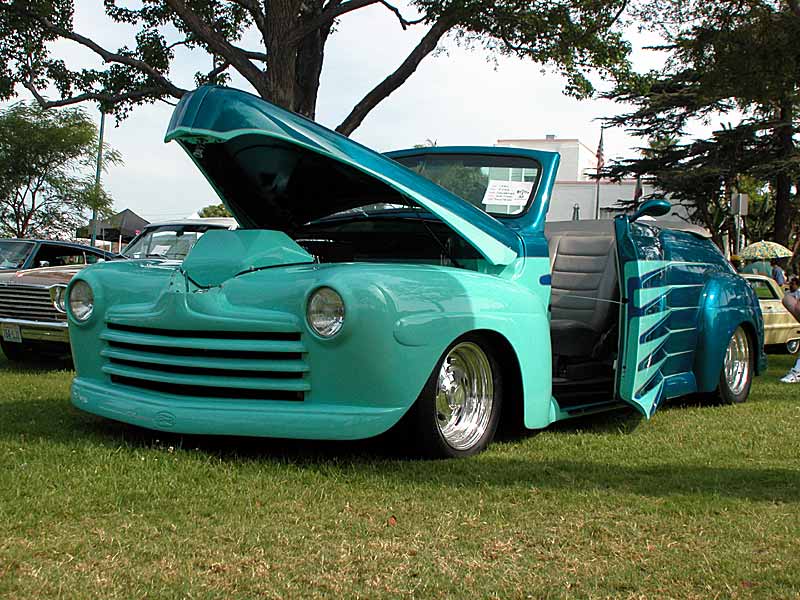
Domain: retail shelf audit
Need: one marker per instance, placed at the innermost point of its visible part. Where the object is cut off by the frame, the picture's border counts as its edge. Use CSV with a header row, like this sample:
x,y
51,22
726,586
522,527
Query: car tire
x,y
14,352
738,366
457,413
792,346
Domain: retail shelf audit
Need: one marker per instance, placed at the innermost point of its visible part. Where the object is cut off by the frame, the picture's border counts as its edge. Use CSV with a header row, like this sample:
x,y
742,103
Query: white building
x,y
575,191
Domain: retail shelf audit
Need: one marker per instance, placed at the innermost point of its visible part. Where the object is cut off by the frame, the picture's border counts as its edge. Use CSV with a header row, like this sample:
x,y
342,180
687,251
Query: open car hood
x,y
274,169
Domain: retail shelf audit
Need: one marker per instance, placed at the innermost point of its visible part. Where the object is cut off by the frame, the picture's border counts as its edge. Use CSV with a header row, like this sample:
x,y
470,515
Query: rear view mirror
x,y
656,207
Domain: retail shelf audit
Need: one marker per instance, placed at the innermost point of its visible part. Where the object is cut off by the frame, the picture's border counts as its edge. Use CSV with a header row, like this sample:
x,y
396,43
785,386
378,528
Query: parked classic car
x,y
32,313
22,303
781,329
361,295
20,254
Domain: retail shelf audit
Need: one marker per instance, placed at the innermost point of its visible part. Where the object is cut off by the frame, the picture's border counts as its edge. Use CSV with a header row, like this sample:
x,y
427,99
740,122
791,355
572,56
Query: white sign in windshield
x,y
508,193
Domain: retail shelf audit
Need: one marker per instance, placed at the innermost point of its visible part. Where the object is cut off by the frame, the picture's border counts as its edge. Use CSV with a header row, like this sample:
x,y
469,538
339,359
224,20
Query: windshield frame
x,y
152,229
31,246
421,154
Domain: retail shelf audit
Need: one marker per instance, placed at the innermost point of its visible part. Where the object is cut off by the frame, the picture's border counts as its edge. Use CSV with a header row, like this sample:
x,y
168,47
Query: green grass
x,y
701,502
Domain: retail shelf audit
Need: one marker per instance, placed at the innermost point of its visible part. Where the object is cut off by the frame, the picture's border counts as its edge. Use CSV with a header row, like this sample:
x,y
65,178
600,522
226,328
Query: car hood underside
x,y
277,170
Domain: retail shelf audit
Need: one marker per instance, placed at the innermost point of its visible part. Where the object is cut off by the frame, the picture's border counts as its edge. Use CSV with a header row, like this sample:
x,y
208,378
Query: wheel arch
x,y
513,407
711,352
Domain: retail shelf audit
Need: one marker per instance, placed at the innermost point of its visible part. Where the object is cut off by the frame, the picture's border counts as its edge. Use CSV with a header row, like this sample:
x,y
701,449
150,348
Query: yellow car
x,y
780,327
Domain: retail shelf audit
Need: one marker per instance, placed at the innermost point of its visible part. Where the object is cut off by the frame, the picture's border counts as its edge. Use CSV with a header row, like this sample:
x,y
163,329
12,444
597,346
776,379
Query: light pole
x,y
97,175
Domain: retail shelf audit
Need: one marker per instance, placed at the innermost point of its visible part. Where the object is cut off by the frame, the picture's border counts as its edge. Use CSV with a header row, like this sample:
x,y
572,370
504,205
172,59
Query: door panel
x,y
774,323
661,295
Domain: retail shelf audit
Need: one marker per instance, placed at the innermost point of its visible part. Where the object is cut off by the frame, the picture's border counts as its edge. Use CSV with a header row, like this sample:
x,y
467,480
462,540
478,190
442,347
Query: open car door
x,y
644,313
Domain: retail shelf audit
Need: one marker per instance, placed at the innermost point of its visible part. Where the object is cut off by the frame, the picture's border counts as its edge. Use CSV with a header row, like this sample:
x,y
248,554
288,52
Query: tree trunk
x,y
282,52
308,67
784,209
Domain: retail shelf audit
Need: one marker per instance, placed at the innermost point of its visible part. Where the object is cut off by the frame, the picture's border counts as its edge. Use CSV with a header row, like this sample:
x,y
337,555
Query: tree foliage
x,y
47,165
725,58
284,65
214,210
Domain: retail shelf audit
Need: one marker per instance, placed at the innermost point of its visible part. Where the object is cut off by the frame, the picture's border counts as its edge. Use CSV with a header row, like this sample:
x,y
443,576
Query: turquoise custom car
x,y
420,289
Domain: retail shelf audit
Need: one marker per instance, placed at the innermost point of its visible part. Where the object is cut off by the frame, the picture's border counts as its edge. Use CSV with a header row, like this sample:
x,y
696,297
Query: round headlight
x,y
81,300
58,297
325,312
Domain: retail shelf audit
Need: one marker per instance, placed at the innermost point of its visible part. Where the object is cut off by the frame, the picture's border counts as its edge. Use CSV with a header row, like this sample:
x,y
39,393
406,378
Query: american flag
x,y
637,192
601,161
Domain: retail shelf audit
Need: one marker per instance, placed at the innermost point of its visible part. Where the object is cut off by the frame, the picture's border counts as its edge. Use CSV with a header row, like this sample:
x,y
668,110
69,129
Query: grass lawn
x,y
701,502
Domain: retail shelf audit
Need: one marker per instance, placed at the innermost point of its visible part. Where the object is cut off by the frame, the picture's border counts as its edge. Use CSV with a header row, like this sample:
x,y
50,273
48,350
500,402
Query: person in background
x,y
777,272
794,287
758,267
791,300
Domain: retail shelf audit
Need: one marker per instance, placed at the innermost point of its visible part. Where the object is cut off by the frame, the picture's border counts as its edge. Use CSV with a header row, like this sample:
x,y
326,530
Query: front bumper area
x,y
258,418
40,331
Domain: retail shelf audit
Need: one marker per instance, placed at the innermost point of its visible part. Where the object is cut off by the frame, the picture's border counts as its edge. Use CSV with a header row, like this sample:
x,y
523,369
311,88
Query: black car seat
x,y
584,286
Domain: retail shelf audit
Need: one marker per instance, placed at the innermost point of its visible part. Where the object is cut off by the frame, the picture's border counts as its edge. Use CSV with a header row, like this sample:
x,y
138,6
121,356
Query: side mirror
x,y
656,207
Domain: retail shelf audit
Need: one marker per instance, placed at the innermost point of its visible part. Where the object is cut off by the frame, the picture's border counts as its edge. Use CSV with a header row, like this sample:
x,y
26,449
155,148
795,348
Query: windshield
x,y
498,185
14,253
166,241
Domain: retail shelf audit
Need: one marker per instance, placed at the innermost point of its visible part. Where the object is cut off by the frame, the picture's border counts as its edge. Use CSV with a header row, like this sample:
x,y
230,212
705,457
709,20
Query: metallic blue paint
x,y
655,207
682,302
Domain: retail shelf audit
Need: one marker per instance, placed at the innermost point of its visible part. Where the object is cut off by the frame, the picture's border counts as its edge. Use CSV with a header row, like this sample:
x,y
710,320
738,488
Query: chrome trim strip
x,y
37,324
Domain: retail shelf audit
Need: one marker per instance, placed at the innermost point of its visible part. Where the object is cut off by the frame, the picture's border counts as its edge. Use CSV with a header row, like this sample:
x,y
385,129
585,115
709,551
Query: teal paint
x,y
231,318
221,255
214,115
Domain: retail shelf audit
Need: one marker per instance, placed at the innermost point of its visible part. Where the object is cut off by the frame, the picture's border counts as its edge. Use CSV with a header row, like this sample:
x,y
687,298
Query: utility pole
x,y
739,205
97,174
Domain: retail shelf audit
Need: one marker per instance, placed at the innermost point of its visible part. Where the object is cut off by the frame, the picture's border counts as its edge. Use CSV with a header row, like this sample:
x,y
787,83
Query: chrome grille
x,y
28,302
252,365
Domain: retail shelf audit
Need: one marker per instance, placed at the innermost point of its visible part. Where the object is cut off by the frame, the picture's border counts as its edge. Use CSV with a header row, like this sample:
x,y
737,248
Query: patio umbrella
x,y
765,250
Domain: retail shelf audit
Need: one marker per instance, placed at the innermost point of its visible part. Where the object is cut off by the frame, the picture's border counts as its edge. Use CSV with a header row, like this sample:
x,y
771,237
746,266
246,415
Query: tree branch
x,y
336,10
182,42
220,45
112,57
380,92
404,23
109,99
219,69
253,7
331,12
251,54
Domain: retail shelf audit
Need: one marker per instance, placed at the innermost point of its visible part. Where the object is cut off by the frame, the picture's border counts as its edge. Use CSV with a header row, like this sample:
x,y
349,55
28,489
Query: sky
x,y
457,96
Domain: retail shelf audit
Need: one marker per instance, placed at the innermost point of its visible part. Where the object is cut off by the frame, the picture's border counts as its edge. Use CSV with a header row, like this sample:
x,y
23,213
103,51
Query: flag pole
x,y
600,163
597,197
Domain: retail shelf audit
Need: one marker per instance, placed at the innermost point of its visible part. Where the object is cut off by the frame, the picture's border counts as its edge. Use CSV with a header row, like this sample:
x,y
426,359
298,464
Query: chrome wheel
x,y
737,362
793,346
464,396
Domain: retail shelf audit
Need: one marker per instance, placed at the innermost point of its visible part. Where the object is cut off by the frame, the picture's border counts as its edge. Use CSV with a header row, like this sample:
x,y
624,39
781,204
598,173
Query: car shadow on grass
x,y
41,364
375,459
